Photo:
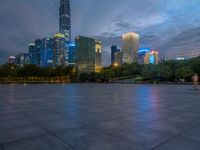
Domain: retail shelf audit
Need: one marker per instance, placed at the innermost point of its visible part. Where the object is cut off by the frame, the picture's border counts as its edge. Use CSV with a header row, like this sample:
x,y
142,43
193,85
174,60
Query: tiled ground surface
x,y
99,117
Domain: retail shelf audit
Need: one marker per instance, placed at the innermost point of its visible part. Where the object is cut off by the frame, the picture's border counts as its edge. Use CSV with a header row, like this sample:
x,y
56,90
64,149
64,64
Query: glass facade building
x,y
130,46
88,54
65,19
141,54
38,48
71,53
31,52
46,55
59,50
114,49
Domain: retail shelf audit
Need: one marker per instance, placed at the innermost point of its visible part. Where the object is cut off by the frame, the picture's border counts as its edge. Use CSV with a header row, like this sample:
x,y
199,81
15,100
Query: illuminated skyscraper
x,y
65,19
31,52
46,54
130,46
59,49
88,54
151,57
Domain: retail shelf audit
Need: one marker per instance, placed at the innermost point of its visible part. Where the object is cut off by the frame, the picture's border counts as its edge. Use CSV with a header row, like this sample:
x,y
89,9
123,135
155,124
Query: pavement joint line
x,y
178,135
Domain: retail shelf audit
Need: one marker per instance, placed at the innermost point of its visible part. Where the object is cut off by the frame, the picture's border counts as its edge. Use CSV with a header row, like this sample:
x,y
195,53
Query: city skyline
x,y
171,27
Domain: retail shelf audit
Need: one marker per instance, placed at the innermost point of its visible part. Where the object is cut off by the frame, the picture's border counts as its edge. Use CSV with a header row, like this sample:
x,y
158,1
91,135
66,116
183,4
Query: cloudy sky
x,y
171,26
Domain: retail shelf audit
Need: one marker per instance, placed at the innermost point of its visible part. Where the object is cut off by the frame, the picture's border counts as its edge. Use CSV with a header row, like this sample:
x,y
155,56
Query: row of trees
x,y
171,70
11,72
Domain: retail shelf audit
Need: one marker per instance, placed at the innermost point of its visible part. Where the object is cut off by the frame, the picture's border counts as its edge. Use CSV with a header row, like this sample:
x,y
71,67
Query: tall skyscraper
x,y
38,48
59,49
88,54
130,46
46,54
151,57
31,52
114,49
65,19
71,52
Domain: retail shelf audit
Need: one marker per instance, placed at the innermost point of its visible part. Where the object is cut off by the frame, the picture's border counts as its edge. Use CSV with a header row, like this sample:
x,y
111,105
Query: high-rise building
x,y
98,51
59,50
31,52
118,59
38,48
141,54
46,54
22,59
130,46
65,19
114,49
151,57
88,54
71,49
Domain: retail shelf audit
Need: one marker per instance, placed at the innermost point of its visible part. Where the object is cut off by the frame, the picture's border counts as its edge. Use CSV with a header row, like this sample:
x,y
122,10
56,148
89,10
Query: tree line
x,y
171,70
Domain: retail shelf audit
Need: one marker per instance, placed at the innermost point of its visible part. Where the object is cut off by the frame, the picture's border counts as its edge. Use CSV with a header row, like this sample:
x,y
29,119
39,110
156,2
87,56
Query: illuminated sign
x,y
144,50
152,58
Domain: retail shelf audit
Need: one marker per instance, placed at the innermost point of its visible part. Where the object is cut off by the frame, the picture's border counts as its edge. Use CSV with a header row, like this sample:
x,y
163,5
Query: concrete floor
x,y
99,117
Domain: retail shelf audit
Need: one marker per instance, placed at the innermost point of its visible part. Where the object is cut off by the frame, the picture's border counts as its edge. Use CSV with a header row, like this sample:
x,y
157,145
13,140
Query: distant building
x,y
163,59
130,46
88,54
65,19
180,58
22,59
31,52
71,53
46,54
118,59
98,51
114,49
141,54
59,49
38,49
12,60
151,57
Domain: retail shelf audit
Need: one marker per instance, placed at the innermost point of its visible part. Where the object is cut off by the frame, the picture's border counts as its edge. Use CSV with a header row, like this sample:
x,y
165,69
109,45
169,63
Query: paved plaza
x,y
99,117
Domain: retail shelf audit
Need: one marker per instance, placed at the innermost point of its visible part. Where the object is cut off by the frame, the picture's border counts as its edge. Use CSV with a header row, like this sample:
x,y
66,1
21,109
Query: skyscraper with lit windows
x,y
130,46
65,19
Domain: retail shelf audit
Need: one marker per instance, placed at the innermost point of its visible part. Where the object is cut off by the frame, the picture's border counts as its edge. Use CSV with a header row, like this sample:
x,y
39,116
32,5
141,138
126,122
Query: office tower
x,y
46,55
65,19
71,53
22,59
118,59
88,54
141,54
98,51
151,57
114,49
31,52
130,46
38,48
59,49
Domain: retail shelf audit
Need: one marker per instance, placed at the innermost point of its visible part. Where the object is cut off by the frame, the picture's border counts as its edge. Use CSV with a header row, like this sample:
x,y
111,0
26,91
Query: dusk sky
x,y
171,26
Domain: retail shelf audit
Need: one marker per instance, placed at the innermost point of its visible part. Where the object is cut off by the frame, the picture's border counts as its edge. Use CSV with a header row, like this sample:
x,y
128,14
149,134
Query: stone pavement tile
x,y
169,126
47,142
193,134
15,134
80,136
179,144
110,143
15,123
146,137
47,118
116,126
12,116
61,125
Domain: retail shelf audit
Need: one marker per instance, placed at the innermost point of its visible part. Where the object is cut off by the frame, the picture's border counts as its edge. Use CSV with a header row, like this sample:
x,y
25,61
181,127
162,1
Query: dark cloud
x,y
166,25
